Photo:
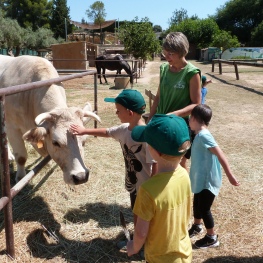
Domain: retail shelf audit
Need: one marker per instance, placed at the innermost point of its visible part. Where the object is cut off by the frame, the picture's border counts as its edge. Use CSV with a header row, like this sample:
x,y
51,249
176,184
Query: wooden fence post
x,y
220,67
236,70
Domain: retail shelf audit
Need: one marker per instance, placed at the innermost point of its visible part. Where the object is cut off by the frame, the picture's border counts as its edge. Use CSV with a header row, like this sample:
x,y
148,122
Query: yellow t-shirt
x,y
165,201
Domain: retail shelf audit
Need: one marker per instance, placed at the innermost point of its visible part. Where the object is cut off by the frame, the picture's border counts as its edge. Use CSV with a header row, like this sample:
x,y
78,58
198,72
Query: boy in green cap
x,y
163,203
139,165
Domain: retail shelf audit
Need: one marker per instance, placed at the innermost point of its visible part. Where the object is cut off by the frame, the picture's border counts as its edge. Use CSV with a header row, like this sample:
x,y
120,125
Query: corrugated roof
x,y
93,26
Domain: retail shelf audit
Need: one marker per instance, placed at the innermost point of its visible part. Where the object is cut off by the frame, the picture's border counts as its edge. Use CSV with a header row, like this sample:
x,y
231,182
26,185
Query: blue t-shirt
x,y
203,94
205,171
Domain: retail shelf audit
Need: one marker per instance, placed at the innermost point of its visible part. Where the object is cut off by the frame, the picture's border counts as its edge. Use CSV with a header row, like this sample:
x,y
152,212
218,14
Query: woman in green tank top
x,y
179,89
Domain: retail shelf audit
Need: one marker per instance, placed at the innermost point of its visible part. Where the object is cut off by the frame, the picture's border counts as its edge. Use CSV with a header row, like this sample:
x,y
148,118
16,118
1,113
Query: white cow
x,y
42,117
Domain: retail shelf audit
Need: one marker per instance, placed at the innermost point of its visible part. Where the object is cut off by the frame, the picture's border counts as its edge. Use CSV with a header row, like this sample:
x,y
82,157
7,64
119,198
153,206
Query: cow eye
x,y
55,143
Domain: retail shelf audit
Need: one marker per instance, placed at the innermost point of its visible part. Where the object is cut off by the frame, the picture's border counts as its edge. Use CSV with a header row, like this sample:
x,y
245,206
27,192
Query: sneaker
x,y
122,245
207,242
195,230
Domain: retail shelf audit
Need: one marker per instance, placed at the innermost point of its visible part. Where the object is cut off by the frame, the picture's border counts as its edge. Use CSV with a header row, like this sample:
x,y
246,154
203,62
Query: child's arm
x,y
139,237
223,161
154,169
80,130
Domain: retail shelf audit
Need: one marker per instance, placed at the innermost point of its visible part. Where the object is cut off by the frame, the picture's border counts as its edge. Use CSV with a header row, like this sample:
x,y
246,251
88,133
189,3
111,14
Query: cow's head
x,y
53,136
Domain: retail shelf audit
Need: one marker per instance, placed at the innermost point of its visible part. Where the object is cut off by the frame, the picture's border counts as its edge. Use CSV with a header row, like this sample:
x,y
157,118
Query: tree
x,y
1,32
83,21
199,31
97,14
60,19
13,36
139,38
225,40
157,28
178,17
28,13
240,18
44,38
257,36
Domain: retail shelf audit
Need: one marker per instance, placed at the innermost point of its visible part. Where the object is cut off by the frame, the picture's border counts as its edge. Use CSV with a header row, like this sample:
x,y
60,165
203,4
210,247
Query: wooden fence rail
x,y
235,63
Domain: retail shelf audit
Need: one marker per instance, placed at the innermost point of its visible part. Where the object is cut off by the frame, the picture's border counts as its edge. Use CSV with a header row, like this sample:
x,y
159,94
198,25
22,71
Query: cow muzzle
x,y
80,178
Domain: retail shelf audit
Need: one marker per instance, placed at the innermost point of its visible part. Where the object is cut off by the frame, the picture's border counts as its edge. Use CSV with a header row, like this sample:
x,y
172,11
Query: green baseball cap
x,y
165,133
130,99
203,79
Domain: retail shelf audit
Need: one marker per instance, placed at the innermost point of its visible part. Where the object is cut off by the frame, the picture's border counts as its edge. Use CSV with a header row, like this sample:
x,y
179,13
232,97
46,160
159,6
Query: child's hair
x,y
182,149
202,113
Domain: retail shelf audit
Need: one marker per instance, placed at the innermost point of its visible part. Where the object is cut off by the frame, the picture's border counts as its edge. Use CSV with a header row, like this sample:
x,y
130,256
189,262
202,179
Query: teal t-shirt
x,y
205,170
174,88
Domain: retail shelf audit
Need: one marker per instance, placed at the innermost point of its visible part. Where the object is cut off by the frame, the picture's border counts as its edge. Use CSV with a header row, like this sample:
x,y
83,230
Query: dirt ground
x,y
85,218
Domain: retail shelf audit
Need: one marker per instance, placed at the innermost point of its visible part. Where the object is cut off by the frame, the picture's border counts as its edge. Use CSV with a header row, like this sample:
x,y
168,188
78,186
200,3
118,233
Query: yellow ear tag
x,y
39,144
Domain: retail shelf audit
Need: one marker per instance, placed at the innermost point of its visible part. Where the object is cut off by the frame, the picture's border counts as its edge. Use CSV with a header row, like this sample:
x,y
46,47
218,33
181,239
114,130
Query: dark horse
x,y
112,63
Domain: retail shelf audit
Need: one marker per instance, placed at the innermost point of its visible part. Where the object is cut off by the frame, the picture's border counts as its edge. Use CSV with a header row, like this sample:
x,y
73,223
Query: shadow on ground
x,y
231,259
47,242
236,85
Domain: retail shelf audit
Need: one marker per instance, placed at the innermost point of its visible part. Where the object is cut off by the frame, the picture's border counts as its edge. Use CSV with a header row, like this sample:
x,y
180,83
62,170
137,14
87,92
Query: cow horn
x,y
91,114
41,117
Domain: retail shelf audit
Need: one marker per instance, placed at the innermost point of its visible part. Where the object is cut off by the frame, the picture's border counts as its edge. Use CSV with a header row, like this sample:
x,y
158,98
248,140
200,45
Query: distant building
x,y
207,54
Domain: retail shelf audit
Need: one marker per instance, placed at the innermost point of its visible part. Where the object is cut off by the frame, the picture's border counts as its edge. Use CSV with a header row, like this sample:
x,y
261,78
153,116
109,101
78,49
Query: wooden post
x,y
236,70
213,65
220,67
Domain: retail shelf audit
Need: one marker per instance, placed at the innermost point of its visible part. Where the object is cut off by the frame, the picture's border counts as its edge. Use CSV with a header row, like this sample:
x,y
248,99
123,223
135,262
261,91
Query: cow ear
x,y
35,135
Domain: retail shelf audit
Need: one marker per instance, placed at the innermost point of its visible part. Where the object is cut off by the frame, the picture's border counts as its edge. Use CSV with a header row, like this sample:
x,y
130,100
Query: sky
x,y
158,12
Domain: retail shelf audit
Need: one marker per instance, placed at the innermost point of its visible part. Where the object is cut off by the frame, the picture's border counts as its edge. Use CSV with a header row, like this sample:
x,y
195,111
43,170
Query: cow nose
x,y
80,178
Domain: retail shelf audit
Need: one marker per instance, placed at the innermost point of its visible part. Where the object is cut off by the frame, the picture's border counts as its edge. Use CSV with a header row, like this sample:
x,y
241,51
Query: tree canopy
x,y
199,31
97,14
257,36
225,40
202,32
240,17
178,17
13,36
28,13
157,28
60,19
139,38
